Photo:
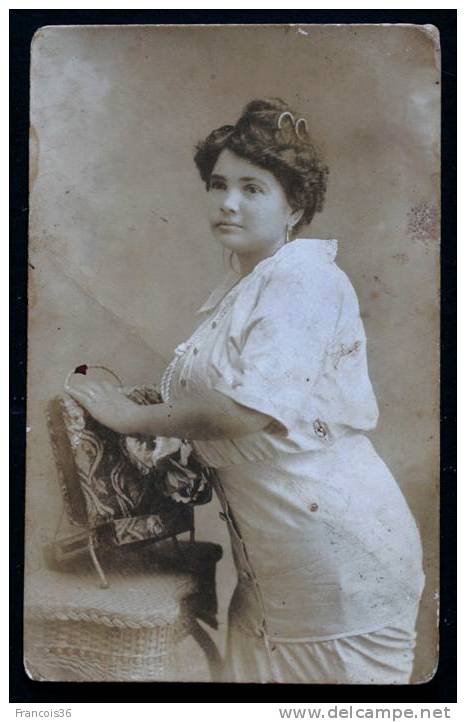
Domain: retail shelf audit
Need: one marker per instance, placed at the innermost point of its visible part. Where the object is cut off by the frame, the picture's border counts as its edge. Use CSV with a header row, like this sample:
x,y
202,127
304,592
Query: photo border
x,y
442,687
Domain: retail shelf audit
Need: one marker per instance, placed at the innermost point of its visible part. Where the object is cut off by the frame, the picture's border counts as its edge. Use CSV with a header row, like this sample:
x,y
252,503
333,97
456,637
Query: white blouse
x,y
286,340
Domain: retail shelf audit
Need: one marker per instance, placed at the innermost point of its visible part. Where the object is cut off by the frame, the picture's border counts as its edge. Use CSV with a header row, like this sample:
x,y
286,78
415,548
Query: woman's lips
x,y
225,225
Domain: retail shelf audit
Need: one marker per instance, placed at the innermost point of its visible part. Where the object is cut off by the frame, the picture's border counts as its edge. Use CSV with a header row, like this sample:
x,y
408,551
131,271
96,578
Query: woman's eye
x,y
217,185
253,189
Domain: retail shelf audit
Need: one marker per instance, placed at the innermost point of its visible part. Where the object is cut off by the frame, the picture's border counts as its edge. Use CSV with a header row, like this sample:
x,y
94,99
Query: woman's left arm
x,y
215,416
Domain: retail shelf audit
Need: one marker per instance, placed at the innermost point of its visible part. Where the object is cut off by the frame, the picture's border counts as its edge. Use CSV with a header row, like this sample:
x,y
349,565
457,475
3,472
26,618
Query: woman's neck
x,y
248,261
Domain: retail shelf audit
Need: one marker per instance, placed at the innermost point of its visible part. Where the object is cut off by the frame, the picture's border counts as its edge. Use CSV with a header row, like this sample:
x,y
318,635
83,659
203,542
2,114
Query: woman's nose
x,y
230,201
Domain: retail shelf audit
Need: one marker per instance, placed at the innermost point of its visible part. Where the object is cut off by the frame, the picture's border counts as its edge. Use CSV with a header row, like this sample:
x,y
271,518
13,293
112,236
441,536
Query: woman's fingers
x,y
104,402
101,387
87,392
93,392
79,395
93,387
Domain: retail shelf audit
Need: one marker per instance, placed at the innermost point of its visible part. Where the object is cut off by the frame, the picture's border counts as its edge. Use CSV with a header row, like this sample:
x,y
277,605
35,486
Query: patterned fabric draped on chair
x,y
118,489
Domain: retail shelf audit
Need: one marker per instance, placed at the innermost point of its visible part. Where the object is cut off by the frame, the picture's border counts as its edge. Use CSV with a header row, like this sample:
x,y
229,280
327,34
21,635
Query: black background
x,y
442,688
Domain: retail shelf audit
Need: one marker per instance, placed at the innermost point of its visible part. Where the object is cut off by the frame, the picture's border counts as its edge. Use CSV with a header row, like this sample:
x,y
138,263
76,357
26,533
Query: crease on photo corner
x,y
430,31
433,33
41,32
132,329
33,674
430,675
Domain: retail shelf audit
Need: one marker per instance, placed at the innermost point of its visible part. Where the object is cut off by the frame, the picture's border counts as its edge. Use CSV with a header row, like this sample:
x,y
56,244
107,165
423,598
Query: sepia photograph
x,y
233,354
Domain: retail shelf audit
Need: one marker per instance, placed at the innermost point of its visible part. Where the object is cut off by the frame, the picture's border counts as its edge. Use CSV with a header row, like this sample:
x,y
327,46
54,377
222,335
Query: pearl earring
x,y
287,236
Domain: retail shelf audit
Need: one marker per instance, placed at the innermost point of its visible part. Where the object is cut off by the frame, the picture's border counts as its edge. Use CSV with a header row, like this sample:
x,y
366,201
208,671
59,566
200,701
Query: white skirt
x,y
381,657
324,545
329,568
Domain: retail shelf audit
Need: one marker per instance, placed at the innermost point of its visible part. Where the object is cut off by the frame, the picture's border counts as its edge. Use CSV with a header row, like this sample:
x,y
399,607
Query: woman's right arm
x,y
214,416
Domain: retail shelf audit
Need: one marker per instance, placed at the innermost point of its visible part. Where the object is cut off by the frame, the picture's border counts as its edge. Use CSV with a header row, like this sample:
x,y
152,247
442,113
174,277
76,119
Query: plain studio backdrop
x,y
120,250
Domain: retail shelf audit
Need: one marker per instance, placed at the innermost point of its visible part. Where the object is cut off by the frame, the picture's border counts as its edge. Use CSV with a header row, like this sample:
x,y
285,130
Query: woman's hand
x,y
106,404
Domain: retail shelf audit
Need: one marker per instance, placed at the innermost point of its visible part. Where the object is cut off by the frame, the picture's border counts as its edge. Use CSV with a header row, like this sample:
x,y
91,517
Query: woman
x,y
273,390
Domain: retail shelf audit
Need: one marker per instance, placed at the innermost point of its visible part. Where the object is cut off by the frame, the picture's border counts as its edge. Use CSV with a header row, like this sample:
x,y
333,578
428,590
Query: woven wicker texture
x,y
67,651
74,630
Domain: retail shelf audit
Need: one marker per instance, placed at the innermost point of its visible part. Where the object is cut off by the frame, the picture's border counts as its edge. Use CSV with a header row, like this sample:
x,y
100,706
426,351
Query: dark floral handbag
x,y
120,490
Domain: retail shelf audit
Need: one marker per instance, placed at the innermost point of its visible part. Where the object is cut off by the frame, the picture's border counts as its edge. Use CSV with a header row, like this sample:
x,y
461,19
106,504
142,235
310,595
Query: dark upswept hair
x,y
287,152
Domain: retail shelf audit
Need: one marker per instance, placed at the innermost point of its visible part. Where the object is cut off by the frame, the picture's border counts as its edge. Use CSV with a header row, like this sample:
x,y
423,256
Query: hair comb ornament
x,y
283,115
297,124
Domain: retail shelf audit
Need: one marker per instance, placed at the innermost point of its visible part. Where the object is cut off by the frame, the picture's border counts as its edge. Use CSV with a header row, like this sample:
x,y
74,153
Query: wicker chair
x,y
76,631
154,588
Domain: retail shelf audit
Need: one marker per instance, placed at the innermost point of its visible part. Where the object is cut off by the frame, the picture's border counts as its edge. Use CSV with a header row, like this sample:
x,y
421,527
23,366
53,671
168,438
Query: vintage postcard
x,y
233,381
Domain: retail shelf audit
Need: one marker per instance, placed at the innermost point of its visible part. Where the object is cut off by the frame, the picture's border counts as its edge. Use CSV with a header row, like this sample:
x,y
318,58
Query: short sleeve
x,y
277,342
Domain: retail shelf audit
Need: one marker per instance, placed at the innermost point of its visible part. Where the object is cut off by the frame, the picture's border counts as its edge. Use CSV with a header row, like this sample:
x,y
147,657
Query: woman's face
x,y
248,209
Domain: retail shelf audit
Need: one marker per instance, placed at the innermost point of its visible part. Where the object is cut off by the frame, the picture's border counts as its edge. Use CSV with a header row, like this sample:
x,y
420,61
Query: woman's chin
x,y
234,240
231,241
